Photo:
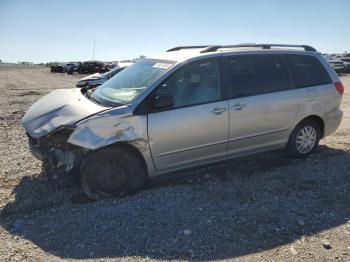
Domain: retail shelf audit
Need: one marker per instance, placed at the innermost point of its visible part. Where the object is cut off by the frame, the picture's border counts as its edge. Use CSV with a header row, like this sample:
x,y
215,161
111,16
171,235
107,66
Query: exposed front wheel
x,y
304,139
112,172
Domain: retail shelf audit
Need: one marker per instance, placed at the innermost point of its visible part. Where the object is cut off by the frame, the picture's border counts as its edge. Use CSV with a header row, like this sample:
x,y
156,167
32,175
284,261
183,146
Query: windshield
x,y
130,82
110,72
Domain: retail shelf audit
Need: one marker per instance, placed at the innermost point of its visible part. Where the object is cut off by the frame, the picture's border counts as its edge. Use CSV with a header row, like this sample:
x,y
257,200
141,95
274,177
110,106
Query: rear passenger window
x,y
254,75
307,71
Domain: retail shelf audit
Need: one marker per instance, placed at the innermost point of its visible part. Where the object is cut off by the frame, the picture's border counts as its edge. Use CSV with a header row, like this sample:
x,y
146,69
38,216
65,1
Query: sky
x,y
64,30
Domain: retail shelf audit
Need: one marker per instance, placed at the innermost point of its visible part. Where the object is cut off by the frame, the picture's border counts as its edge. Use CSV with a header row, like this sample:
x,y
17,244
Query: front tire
x,y
112,172
304,139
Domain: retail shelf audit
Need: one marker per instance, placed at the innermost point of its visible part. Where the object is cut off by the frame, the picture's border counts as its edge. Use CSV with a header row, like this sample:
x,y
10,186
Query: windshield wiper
x,y
95,100
133,88
88,95
103,102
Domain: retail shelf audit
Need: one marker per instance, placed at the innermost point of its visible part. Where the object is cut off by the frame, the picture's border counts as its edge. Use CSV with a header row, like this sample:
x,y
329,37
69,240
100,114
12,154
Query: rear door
x,y
310,76
195,129
262,107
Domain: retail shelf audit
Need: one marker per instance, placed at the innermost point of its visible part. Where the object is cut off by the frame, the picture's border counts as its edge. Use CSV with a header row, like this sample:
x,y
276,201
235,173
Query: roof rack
x,y
214,48
187,47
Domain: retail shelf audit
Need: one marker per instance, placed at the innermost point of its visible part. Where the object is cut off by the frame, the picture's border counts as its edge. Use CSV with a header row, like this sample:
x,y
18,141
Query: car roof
x,y
180,55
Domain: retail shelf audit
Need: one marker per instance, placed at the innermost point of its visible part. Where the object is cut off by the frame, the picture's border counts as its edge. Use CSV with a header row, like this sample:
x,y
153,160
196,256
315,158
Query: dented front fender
x,y
108,128
101,131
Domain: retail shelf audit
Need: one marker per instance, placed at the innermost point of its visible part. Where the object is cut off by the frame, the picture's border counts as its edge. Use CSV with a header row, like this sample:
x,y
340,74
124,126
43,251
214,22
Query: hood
x,y
91,77
59,108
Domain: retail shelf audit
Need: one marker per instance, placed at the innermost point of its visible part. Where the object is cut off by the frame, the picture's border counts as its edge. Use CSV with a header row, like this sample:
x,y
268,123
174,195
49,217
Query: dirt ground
x,y
265,207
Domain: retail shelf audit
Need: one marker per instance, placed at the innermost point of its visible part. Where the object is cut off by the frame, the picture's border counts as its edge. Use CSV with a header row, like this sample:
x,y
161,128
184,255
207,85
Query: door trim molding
x,y
191,148
259,134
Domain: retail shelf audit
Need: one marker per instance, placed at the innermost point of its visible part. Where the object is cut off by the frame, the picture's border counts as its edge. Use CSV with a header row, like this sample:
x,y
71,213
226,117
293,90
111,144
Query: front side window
x,y
307,71
254,75
196,83
130,82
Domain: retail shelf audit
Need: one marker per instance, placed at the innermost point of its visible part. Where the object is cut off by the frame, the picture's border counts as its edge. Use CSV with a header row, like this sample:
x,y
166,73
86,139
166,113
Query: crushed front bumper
x,y
55,153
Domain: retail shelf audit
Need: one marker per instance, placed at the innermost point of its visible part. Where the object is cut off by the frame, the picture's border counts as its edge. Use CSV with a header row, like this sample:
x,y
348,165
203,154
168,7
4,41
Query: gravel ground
x,y
265,207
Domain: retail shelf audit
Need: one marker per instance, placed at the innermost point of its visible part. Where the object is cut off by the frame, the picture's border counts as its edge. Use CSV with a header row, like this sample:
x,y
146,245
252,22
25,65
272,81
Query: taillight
x,y
340,88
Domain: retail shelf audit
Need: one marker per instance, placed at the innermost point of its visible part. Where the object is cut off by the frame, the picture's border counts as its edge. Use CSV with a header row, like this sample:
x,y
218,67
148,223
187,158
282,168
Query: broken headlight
x,y
57,139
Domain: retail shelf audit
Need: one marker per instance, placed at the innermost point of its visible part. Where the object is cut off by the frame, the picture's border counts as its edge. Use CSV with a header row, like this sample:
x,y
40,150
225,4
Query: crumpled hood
x,y
91,77
59,108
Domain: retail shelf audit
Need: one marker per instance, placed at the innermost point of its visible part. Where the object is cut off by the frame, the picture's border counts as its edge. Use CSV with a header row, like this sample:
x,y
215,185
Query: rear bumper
x,y
332,121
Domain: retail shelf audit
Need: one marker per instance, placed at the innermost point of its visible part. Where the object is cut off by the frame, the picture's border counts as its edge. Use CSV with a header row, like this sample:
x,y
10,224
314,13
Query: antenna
x,y
93,53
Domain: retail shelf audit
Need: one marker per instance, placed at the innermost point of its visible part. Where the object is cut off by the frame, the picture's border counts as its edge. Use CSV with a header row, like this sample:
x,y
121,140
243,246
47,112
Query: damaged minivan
x,y
186,107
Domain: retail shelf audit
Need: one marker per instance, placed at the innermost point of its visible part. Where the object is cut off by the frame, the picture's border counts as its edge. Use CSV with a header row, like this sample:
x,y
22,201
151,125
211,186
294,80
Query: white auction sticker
x,y
162,65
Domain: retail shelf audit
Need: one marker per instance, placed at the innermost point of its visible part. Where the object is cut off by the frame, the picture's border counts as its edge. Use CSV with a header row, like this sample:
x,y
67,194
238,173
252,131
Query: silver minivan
x,y
189,106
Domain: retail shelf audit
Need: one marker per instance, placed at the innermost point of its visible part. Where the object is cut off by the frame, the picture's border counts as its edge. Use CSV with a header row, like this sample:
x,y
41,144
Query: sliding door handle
x,y
218,110
237,106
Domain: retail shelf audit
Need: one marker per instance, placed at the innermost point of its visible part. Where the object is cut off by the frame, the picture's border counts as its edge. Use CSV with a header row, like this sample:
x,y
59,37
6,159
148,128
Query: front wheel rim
x,y
105,178
306,139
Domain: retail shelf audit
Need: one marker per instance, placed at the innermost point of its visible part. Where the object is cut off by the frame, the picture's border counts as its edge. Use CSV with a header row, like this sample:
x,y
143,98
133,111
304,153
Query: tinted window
x,y
254,75
195,83
307,71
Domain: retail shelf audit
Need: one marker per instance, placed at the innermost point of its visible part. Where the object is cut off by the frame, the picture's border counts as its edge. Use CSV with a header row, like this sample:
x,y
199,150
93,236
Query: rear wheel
x,y
112,172
304,139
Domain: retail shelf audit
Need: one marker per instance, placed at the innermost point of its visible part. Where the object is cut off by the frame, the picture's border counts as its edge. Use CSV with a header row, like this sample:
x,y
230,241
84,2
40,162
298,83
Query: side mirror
x,y
163,101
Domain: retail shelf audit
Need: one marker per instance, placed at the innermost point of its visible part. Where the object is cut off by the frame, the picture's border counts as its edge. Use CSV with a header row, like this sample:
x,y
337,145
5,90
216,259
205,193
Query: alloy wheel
x,y
306,139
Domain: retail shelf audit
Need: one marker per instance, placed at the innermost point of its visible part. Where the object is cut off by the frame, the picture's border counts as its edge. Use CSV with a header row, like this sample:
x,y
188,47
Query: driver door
x,y
195,129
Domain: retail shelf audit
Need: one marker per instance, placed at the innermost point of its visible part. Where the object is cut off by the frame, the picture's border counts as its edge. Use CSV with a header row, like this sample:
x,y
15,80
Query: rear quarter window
x,y
307,71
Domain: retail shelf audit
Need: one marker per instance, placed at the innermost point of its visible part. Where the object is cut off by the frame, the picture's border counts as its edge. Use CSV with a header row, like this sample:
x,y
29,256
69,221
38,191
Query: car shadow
x,y
231,209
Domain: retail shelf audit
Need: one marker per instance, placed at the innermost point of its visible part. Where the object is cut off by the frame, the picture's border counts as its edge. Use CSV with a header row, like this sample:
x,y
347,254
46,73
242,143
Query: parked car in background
x,y
58,68
72,67
91,67
336,63
94,80
180,109
63,68
346,61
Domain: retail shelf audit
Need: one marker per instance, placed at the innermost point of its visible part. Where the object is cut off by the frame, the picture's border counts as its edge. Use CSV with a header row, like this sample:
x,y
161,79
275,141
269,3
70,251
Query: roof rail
x,y
263,46
187,47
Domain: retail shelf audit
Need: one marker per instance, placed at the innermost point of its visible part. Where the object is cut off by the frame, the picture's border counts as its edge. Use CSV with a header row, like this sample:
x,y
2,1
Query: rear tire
x,y
112,172
304,139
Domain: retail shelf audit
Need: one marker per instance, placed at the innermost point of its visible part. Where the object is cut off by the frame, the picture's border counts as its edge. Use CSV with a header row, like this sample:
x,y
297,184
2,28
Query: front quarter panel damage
x,y
107,129
101,131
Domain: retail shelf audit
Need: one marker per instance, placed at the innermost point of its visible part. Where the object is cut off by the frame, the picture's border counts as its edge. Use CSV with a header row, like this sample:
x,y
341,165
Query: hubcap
x,y
306,139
